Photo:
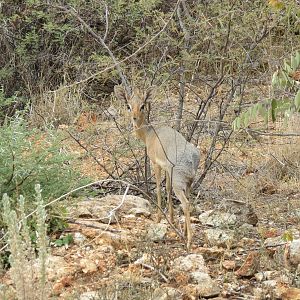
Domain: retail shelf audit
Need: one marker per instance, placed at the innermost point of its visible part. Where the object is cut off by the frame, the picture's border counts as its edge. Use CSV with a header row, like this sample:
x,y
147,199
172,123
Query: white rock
x,y
274,241
79,238
267,275
157,231
145,259
140,211
190,263
105,209
89,296
166,293
269,283
217,219
88,266
206,286
295,252
219,237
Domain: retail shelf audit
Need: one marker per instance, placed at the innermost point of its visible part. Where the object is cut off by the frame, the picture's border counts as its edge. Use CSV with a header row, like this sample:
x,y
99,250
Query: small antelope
x,y
168,150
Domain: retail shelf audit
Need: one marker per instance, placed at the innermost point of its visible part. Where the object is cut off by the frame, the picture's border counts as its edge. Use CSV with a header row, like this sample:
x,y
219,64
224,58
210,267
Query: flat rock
x,y
217,219
139,211
190,263
229,264
295,252
206,286
202,290
229,213
92,295
219,237
88,266
166,293
250,265
157,231
109,208
78,238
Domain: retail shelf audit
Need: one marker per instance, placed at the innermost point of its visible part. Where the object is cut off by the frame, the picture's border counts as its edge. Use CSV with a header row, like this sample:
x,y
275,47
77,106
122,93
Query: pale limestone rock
x,y
92,295
295,252
166,293
190,263
217,219
157,231
109,208
219,237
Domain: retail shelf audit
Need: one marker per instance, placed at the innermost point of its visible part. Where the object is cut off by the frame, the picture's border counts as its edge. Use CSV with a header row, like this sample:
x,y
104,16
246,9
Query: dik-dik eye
x,y
128,107
142,107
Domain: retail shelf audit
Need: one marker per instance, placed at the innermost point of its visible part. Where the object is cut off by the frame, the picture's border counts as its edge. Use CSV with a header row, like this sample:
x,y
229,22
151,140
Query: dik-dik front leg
x,y
169,196
157,172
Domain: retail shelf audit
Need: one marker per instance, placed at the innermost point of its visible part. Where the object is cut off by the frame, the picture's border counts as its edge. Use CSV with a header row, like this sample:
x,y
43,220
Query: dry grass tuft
x,y
58,107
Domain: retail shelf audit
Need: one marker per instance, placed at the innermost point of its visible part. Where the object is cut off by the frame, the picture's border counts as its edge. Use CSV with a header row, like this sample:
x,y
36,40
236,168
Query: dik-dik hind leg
x,y
186,209
157,172
169,197
187,193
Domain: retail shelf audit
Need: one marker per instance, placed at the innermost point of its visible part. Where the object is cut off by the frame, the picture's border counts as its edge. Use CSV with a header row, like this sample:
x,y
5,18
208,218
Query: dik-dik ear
x,y
150,93
121,93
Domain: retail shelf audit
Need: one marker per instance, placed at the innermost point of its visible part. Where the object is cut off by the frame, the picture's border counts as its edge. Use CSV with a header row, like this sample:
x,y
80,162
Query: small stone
x,y
89,296
190,263
250,265
157,231
229,264
78,238
217,219
219,237
166,293
295,252
206,287
274,241
269,283
139,211
88,266
267,275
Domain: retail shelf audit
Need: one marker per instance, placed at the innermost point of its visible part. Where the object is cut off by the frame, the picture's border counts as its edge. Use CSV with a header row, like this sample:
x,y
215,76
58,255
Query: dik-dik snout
x,y
137,111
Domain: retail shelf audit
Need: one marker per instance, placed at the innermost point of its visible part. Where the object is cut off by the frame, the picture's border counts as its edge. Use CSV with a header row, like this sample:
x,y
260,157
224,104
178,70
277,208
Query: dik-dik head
x,y
136,103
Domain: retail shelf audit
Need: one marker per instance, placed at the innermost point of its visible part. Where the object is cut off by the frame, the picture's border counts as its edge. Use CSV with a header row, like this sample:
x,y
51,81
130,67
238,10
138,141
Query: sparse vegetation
x,y
28,270
222,70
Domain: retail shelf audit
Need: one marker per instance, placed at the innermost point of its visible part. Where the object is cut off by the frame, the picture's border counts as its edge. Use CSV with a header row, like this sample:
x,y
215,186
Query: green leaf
x,y
294,63
288,236
275,78
287,67
297,100
246,119
297,57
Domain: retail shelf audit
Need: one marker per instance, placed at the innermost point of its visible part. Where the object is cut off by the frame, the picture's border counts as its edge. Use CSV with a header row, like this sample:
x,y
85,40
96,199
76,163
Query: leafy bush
x,y
29,156
286,99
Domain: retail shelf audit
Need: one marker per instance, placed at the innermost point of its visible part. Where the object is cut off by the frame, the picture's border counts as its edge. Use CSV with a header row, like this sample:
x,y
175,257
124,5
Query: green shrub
x,y
29,156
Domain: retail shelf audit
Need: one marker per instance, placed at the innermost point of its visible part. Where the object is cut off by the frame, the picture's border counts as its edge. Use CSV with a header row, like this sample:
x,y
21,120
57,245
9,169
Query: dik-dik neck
x,y
143,131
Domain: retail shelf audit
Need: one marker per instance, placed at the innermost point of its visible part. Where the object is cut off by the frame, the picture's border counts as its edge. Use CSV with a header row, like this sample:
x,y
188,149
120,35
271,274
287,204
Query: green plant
x,y
28,156
285,83
28,270
64,241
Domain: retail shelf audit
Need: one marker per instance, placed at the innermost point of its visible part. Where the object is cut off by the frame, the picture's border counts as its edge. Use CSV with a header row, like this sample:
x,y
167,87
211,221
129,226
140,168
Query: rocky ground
x,y
123,254
246,242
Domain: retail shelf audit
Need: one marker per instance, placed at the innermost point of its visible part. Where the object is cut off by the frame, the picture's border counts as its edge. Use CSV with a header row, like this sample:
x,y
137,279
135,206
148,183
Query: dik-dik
x,y
168,150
